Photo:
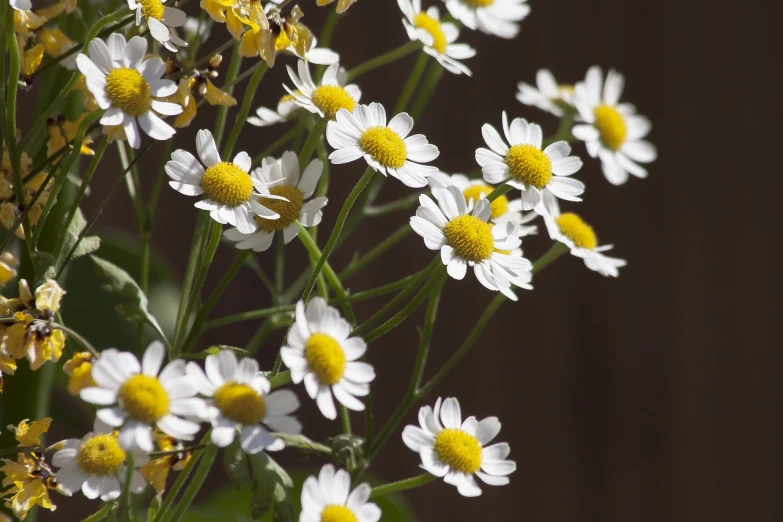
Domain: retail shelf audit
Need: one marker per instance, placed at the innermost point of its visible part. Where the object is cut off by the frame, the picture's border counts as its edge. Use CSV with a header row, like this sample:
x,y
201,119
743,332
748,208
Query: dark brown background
x,y
654,397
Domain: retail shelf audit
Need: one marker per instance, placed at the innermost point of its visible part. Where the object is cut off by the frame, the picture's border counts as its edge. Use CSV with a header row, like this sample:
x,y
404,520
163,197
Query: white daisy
x,y
21,5
500,210
613,131
569,229
497,17
321,353
266,117
466,238
134,398
127,87
547,95
438,37
387,149
540,175
159,20
233,195
96,465
282,177
326,99
329,498
242,402
458,451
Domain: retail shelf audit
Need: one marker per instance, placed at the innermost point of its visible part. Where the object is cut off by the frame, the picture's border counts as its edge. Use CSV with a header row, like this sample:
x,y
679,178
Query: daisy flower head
x,y
328,498
320,352
326,99
612,131
127,86
96,464
233,195
466,238
242,403
569,229
282,176
547,94
386,148
438,37
496,17
159,19
266,117
135,397
457,450
541,175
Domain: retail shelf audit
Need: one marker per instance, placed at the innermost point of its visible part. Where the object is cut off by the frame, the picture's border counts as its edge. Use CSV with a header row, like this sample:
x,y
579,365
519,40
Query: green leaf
x,y
270,490
154,507
236,465
303,443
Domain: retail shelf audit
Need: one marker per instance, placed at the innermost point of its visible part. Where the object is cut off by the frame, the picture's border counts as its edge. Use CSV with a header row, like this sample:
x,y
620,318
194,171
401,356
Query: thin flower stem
x,y
499,191
412,83
244,109
222,111
434,75
203,61
156,454
403,203
402,485
557,250
101,513
311,143
277,144
165,512
81,340
127,504
564,129
379,249
345,419
160,176
281,379
196,246
384,59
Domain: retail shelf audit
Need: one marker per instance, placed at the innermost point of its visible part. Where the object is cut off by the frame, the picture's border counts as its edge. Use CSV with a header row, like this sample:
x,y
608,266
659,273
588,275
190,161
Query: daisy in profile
x,y
282,177
457,450
501,209
547,94
438,37
541,175
465,239
135,397
612,131
326,99
232,195
127,86
320,352
159,19
387,149
266,117
96,464
329,498
496,17
569,229
242,403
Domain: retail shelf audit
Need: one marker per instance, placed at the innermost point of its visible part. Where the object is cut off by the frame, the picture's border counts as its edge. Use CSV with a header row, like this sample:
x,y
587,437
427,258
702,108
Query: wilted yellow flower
x,y
281,33
25,22
8,264
31,60
79,371
30,481
342,5
30,434
156,471
7,365
56,43
61,131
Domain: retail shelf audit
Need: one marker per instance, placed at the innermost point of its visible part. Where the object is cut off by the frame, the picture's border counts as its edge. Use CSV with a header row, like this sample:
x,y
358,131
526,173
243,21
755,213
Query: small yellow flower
x,y
8,264
282,32
156,471
30,62
79,371
342,5
30,434
7,365
55,42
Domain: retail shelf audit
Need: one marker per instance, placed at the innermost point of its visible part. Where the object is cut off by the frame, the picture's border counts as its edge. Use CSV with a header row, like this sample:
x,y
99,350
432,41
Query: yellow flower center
x,y
100,455
144,398
385,146
572,226
529,165
288,210
432,26
128,90
227,184
240,403
470,237
479,3
325,357
336,513
461,451
611,126
331,98
152,9
498,207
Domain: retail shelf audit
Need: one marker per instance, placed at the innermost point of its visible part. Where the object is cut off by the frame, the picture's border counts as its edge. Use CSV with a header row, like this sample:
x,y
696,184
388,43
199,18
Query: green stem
x,y
163,512
222,111
81,340
402,485
403,203
564,129
311,143
101,513
281,379
195,484
127,505
557,250
244,109
499,191
345,418
196,246
384,59
428,88
412,83
379,249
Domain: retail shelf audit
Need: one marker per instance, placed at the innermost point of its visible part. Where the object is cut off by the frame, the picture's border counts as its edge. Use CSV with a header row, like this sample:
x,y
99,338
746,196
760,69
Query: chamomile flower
x,y
266,117
497,17
465,238
232,195
387,149
612,131
321,353
159,19
326,99
569,229
126,86
282,176
135,397
96,464
547,94
438,37
242,403
329,498
457,450
541,175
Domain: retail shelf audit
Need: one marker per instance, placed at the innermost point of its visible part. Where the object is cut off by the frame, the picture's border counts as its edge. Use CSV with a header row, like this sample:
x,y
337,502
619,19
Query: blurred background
x,y
652,397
